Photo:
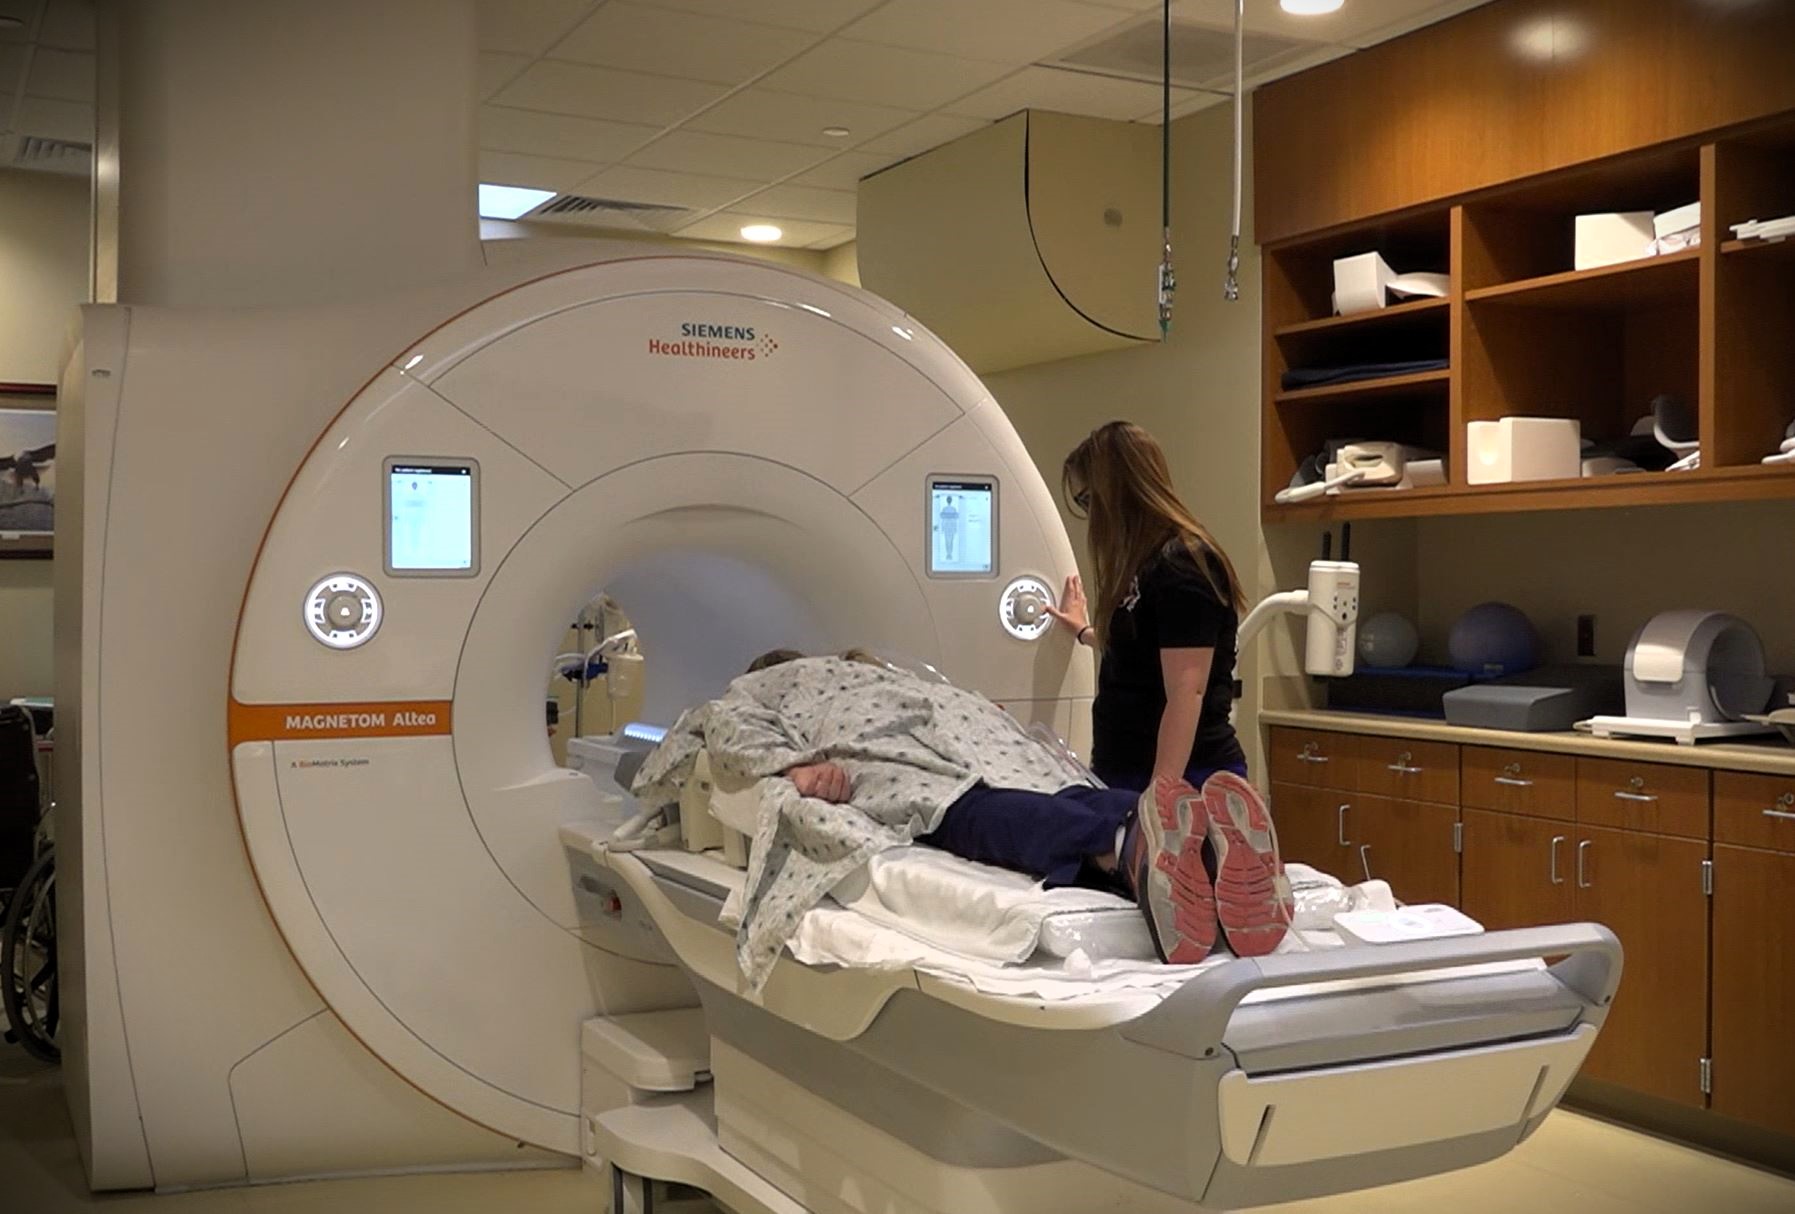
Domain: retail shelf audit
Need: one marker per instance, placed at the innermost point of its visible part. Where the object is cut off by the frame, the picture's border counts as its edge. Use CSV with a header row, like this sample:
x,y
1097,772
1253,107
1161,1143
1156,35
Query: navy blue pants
x,y
1054,836
1137,781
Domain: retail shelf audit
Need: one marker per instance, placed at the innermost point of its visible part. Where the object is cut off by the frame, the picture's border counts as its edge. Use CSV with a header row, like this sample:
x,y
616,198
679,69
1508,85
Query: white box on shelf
x,y
1361,283
1678,229
1523,449
1611,237
1429,921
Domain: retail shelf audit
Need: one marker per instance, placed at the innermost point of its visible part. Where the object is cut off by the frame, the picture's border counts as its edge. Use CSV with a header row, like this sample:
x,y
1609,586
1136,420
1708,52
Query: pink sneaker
x,y
1165,860
1252,896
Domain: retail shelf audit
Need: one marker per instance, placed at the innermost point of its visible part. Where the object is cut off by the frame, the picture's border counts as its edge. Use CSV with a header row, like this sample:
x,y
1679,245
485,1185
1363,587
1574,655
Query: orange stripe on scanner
x,y
291,722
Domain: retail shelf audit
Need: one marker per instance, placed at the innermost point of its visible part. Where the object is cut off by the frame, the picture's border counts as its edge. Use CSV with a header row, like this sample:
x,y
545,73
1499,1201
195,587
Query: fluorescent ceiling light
x,y
1310,8
761,233
510,201
837,132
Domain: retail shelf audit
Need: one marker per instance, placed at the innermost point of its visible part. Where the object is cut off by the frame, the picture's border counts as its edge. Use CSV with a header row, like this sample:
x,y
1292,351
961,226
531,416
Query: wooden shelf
x,y
1421,383
1767,250
1647,281
1377,317
1756,482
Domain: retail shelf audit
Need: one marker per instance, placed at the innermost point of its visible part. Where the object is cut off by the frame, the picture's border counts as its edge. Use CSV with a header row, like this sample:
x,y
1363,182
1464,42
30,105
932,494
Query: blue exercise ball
x,y
1388,641
1493,639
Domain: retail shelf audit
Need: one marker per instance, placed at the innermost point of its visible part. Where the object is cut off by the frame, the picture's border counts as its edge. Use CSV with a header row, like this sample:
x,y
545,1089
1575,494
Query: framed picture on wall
x,y
27,470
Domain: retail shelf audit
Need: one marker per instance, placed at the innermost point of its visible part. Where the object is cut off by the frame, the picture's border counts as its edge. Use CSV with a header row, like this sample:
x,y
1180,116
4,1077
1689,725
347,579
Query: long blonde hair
x,y
1118,479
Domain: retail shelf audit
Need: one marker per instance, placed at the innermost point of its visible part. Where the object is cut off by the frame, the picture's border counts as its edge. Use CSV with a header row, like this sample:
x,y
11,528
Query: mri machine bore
x,y
750,458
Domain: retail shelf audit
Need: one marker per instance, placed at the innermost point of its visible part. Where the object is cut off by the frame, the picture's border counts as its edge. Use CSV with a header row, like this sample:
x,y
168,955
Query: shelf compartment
x,y
1648,282
1420,385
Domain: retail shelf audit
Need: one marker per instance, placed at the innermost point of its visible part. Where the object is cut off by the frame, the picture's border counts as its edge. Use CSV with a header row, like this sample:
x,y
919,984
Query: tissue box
x,y
1360,283
1612,237
1679,229
1524,449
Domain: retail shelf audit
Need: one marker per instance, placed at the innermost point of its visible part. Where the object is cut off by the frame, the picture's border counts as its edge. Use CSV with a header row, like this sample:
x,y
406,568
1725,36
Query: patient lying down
x,y
856,756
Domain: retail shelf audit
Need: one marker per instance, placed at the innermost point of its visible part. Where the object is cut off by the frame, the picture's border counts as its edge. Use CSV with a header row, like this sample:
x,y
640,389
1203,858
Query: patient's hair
x,y
772,658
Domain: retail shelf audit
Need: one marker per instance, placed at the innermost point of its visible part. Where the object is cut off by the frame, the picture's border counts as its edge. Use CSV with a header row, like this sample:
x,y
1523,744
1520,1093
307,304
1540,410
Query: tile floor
x,y
1575,1165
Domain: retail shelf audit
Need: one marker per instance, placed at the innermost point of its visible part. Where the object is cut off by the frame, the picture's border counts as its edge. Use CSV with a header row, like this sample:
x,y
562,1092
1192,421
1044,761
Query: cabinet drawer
x,y
1755,811
1652,797
1313,758
1408,770
1519,782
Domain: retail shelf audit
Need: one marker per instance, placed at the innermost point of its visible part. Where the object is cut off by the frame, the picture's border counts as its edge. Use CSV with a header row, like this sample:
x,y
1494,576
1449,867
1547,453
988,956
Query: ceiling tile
x,y
818,16
496,70
535,172
633,184
726,156
727,225
12,62
508,130
1007,31
801,202
844,172
925,134
526,27
765,114
672,43
883,75
72,121
836,236
61,75
68,24
602,92
1069,92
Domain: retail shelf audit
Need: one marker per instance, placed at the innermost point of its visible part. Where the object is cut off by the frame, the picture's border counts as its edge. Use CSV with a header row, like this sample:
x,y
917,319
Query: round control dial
x,y
342,611
1022,610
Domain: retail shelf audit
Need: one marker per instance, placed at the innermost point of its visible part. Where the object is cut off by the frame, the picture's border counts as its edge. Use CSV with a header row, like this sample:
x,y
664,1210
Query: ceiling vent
x,y
49,155
614,213
1202,56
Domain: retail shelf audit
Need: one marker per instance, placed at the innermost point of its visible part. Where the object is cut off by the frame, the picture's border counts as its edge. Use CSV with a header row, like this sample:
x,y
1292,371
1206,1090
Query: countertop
x,y
1771,756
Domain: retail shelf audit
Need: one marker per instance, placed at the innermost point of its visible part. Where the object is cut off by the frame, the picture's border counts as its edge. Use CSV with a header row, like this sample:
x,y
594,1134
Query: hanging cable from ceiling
x,y
1231,284
1168,283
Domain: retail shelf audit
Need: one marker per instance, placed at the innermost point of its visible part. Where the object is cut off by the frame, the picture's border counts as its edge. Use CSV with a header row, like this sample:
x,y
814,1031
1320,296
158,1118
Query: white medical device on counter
x,y
1692,676
1331,605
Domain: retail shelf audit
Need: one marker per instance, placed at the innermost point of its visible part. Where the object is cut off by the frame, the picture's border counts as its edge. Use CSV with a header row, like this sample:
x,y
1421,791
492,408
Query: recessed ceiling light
x,y
837,132
510,201
761,233
1310,8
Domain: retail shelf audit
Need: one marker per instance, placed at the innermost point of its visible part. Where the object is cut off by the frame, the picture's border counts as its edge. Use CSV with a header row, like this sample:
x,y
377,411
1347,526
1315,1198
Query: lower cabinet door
x,y
1516,871
1754,987
1308,824
1647,889
1410,844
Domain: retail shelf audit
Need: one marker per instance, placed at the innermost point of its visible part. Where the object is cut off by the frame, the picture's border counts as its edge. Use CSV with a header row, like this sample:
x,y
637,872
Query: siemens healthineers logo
x,y
737,343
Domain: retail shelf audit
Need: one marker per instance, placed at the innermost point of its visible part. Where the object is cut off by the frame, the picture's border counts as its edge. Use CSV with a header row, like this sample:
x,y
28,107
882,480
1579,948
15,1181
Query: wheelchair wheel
x,y
28,985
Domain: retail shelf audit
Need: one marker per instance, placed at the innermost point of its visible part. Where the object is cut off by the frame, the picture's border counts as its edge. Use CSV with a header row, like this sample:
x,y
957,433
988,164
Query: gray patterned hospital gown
x,y
911,746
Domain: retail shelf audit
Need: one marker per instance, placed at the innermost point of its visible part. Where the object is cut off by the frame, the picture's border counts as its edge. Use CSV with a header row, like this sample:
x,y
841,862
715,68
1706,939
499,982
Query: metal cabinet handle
x,y
1779,813
1365,860
1308,757
1582,852
1785,808
1557,879
1511,776
1401,766
1643,797
1341,834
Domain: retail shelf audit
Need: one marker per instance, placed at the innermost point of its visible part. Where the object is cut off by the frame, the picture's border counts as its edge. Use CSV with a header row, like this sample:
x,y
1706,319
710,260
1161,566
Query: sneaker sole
x,y
1254,913
1181,902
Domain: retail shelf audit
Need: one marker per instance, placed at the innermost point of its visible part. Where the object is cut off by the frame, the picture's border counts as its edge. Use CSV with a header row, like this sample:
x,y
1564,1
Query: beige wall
x,y
837,263
43,279
43,270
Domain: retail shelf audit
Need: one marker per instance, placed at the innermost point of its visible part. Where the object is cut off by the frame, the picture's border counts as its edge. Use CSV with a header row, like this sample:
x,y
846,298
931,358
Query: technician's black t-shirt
x,y
1172,605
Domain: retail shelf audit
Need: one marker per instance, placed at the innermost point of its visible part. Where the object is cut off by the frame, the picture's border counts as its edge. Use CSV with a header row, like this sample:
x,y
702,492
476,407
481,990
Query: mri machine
x,y
743,457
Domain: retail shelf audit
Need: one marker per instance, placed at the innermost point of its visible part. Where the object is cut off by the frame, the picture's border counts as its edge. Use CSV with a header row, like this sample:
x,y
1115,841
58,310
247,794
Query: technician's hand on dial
x,y
824,781
1073,612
